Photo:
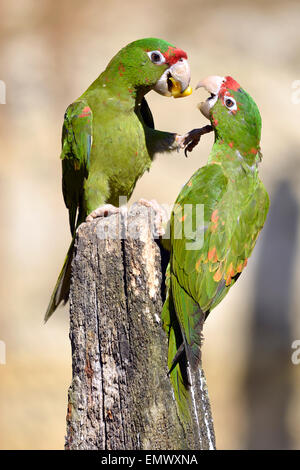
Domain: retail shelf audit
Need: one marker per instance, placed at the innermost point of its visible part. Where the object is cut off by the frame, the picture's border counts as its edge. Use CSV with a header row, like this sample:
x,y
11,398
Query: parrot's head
x,y
232,112
155,64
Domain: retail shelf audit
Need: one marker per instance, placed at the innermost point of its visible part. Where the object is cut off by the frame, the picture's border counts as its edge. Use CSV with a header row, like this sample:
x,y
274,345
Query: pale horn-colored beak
x,y
212,84
175,80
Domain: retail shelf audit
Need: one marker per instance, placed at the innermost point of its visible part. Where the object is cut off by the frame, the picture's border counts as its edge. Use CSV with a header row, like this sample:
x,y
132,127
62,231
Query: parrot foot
x,y
104,211
160,218
189,140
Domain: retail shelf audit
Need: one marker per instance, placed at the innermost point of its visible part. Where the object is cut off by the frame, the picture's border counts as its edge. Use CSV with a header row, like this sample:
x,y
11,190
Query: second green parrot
x,y
214,226
108,137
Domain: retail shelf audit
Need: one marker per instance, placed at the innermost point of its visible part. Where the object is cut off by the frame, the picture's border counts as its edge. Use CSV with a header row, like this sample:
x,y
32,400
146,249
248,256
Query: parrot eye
x,y
230,103
156,57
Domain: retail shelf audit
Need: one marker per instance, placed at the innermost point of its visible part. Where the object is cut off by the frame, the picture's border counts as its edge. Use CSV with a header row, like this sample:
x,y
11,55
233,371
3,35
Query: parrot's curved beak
x,y
175,80
212,84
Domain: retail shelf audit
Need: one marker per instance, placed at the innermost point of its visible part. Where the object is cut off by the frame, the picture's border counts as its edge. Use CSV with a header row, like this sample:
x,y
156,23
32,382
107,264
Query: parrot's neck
x,y
235,159
117,83
238,144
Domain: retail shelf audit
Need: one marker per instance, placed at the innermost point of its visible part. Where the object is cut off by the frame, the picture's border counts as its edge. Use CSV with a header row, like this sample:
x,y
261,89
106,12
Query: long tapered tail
x,y
178,372
62,287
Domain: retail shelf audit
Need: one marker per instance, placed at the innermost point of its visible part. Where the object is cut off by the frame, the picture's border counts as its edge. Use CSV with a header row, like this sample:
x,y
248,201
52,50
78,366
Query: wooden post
x,y
120,396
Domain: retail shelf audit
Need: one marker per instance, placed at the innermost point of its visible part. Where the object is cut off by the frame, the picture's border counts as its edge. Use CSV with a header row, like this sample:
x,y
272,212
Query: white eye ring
x,y
230,103
156,57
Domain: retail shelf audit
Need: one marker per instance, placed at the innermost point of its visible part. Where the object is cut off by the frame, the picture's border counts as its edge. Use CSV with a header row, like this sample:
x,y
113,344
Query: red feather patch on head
x,y
229,84
172,55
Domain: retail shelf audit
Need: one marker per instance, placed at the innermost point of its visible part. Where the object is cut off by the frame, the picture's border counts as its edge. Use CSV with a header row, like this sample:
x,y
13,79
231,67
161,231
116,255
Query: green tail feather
x,y
179,375
191,319
62,286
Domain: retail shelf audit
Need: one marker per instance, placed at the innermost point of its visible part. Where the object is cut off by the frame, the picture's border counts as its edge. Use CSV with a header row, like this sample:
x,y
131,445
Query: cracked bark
x,y
120,396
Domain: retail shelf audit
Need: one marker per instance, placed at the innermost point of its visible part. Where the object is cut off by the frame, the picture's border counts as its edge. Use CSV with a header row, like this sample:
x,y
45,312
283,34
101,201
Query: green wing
x,y
75,156
182,316
207,256
204,269
190,247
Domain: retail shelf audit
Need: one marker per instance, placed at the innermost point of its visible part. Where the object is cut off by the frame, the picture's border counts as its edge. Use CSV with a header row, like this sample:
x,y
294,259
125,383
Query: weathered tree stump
x,y
121,396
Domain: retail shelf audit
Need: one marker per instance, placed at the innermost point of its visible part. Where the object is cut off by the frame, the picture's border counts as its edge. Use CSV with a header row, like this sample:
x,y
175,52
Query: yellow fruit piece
x,y
176,89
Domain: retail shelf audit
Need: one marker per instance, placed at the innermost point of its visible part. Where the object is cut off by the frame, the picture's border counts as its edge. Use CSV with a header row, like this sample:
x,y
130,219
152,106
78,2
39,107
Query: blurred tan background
x,y
50,52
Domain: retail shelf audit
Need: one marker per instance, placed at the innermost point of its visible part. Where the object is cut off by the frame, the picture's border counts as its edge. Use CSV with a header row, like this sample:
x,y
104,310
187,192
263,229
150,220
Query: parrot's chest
x,y
119,152
238,202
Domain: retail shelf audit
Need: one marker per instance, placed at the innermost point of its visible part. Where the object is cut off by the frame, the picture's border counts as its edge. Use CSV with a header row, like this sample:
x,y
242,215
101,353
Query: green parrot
x,y
108,136
211,243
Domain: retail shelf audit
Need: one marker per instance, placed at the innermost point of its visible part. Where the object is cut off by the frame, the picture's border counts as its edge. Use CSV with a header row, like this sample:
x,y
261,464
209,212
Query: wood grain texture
x,y
120,396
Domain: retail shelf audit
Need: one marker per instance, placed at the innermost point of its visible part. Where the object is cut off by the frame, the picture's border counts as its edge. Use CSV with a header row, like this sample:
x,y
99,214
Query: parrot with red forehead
x,y
214,226
109,139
